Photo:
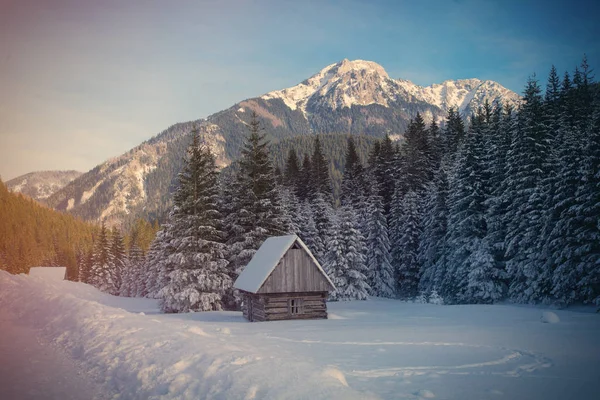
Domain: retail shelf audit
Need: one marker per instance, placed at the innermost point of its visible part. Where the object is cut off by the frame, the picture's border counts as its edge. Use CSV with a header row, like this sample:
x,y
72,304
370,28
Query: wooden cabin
x,y
283,281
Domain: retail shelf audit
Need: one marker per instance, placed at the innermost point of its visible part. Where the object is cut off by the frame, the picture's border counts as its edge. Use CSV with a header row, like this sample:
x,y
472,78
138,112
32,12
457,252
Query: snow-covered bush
x,y
435,298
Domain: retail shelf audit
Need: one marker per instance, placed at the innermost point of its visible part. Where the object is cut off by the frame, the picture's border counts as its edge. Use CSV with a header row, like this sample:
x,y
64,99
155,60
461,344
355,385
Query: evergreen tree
x,y
133,278
384,172
345,260
292,169
322,213
433,249
155,274
409,233
118,260
257,212
454,131
417,163
100,275
309,232
304,183
588,233
527,157
320,180
380,270
353,184
198,277
472,275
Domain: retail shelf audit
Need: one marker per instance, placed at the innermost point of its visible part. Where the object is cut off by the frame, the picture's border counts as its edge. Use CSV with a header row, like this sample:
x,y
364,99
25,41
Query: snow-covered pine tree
x,y
118,260
304,182
133,277
199,278
100,274
588,233
292,170
417,165
322,213
501,131
472,276
290,209
353,180
379,267
320,181
308,230
454,131
574,237
408,236
526,158
85,268
436,146
154,270
432,246
345,260
383,170
257,212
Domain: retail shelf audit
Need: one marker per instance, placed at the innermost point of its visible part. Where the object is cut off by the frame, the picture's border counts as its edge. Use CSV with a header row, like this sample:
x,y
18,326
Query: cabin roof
x,y
266,259
53,273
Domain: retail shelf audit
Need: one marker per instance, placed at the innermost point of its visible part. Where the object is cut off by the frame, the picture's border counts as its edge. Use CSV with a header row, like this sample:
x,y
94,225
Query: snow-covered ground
x,y
372,349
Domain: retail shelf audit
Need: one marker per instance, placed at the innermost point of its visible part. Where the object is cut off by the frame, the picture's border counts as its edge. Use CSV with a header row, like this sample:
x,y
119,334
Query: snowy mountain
x,y
356,97
362,83
40,185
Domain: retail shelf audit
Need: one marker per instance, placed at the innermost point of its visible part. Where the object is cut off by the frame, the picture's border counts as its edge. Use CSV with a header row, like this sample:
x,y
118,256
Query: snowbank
x,y
550,318
141,357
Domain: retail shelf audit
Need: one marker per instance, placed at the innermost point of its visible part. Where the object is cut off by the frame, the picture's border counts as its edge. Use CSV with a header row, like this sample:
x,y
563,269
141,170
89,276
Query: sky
x,y
83,80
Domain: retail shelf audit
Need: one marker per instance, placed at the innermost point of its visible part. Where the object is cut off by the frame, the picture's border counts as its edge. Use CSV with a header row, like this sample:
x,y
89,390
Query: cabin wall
x,y
296,272
276,306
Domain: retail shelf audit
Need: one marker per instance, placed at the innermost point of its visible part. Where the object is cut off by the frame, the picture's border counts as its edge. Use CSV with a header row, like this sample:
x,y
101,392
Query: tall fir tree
x,y
198,279
433,249
353,180
257,213
526,161
100,275
345,259
118,260
378,258
320,181
409,233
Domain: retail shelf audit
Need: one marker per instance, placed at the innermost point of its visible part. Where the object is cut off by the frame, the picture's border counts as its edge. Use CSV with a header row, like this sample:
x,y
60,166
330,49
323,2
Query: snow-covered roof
x,y
54,273
266,259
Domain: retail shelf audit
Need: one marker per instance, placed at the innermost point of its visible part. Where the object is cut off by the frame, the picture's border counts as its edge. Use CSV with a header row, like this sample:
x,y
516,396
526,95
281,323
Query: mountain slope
x,y
40,185
353,97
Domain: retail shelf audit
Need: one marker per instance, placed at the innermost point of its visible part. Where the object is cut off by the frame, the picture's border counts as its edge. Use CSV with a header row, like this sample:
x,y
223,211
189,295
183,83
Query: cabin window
x,y
295,306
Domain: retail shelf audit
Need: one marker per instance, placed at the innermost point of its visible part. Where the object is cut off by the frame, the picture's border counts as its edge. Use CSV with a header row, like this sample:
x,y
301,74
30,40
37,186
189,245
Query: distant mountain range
x,y
40,185
349,97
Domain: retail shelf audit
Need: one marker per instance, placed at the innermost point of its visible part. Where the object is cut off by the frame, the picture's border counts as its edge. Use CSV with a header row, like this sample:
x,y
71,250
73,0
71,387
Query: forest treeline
x,y
34,235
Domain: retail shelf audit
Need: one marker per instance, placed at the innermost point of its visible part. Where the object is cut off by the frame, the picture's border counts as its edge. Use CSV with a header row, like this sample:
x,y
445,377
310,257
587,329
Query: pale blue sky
x,y
83,80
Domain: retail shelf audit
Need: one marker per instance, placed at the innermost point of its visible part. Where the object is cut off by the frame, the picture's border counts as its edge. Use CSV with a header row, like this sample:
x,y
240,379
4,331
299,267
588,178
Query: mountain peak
x,y
340,77
369,67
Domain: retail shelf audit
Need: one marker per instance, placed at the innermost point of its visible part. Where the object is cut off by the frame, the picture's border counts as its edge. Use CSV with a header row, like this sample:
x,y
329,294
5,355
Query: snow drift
x,y
140,357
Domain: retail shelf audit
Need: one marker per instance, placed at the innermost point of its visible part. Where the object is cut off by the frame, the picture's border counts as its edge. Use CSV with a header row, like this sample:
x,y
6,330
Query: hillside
x,y
34,235
42,184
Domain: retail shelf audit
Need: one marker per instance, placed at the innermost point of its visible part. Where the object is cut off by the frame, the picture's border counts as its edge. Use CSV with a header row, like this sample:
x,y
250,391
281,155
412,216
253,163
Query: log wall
x,y
276,306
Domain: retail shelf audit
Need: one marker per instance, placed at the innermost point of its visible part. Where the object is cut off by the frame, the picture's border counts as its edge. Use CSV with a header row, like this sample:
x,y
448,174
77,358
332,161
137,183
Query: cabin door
x,y
250,311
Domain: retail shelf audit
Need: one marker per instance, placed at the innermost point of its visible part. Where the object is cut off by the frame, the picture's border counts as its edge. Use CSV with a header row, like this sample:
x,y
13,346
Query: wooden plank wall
x,y
274,307
296,272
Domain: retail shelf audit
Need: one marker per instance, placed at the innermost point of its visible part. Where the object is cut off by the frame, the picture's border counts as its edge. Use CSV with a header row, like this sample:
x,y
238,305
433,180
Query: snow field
x,y
368,349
